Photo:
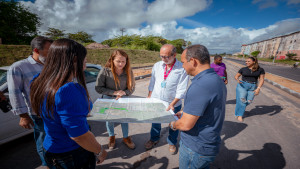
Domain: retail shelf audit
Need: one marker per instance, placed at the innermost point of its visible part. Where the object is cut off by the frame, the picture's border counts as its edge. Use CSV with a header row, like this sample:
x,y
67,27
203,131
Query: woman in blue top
x,y
59,95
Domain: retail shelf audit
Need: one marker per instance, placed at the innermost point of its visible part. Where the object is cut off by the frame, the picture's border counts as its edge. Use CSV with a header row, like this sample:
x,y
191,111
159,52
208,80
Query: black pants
x,y
75,159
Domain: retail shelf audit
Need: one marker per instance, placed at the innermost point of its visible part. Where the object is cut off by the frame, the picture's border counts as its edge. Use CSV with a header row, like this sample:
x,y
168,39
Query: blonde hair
x,y
110,64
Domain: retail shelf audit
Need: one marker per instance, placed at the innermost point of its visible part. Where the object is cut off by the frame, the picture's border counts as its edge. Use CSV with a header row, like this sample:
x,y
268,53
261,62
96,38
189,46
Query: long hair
x,y
127,69
255,67
65,60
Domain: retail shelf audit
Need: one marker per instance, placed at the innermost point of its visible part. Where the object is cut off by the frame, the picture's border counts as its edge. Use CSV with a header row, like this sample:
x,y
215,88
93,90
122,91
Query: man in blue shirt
x,y
18,78
203,113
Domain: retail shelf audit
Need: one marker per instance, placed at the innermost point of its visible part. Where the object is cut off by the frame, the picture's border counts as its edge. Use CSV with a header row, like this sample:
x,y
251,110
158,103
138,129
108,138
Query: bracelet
x,y
100,153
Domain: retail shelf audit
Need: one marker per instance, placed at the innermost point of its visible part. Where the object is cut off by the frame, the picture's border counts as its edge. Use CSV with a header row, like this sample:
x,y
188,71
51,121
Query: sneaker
x,y
150,144
112,142
172,149
128,142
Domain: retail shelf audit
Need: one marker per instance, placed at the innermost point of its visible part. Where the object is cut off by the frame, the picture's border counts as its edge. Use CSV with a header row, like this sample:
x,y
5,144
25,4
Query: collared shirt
x,y
105,83
206,98
18,78
176,82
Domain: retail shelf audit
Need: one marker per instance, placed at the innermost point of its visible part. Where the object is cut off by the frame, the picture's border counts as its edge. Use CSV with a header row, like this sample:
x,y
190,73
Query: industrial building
x,y
275,47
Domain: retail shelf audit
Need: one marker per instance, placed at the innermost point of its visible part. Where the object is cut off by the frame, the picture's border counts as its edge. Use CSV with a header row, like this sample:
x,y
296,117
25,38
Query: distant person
x,y
220,68
203,113
114,81
18,78
60,96
168,83
247,88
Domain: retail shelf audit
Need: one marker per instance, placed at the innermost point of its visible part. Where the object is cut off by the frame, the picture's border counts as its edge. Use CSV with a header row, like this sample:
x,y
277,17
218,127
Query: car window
x,y
91,74
3,75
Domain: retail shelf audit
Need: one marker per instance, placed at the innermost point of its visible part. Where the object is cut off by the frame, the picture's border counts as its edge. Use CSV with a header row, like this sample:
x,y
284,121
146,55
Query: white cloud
x,y
217,40
104,18
265,3
95,15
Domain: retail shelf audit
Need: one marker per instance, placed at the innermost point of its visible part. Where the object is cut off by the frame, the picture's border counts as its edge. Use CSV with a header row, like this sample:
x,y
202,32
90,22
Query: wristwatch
x,y
100,153
172,127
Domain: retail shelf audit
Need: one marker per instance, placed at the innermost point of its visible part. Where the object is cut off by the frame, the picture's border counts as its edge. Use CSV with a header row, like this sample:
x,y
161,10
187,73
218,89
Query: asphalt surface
x,y
284,71
267,139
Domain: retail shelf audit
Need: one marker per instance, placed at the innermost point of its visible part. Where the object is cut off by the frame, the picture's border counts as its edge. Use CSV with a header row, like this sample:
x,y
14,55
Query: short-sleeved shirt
x,y
68,120
206,98
249,76
176,82
219,69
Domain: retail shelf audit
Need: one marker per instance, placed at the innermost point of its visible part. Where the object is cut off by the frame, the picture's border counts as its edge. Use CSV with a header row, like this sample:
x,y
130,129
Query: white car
x,y
9,123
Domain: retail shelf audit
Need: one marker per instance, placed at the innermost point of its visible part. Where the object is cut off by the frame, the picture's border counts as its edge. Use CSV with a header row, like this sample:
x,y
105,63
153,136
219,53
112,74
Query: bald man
x,y
168,83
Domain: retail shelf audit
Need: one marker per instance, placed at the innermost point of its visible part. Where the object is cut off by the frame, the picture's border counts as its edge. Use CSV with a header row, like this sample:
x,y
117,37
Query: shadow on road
x,y
233,101
269,157
261,110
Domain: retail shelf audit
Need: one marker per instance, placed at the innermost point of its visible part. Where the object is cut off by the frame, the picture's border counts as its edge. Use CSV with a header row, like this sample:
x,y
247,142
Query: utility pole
x,y
122,30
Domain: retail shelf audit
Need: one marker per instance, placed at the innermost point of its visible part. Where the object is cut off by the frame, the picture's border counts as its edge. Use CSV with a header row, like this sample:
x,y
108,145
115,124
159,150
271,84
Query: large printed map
x,y
131,110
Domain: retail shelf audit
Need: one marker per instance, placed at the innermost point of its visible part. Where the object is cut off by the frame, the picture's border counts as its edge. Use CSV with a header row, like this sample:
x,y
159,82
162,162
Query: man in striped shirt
x,y
19,76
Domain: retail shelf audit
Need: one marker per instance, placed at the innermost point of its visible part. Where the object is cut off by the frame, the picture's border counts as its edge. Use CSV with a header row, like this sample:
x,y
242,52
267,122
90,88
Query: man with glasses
x,y
168,83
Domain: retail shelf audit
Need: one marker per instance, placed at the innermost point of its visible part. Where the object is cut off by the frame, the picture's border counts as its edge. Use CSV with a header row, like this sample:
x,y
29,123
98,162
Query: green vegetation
x,y
81,36
12,53
291,55
152,43
283,61
255,53
18,24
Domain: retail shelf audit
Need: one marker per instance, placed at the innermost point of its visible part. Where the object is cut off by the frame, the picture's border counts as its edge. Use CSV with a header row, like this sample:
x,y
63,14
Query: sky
x,y
220,25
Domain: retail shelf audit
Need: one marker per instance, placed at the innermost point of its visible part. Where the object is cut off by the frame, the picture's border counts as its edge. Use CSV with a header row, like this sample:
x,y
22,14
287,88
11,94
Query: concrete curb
x,y
142,77
290,91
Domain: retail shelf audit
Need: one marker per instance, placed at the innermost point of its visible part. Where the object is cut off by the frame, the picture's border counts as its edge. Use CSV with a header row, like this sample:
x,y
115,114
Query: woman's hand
x,y
102,157
256,91
119,94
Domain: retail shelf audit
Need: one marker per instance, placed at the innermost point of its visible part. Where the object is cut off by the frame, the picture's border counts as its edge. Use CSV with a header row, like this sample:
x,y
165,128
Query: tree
x,y
255,53
81,37
17,24
291,55
54,33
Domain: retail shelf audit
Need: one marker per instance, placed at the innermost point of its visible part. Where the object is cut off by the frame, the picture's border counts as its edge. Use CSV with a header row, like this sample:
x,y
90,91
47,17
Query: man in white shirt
x,y
168,83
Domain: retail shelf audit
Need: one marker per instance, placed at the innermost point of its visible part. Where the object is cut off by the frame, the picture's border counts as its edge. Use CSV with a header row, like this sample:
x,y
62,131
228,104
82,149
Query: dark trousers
x,y
75,159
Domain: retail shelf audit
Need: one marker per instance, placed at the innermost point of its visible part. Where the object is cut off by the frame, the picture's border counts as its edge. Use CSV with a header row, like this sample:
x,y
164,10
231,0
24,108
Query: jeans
x,y
188,159
244,96
111,131
156,128
75,159
39,136
111,125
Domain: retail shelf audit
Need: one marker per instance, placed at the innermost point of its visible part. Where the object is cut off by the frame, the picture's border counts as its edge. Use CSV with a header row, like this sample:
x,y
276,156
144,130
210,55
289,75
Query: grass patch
x,y
283,61
12,53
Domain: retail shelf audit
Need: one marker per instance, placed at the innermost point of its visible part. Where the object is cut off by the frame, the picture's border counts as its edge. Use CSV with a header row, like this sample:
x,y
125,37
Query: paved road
x,y
283,71
268,139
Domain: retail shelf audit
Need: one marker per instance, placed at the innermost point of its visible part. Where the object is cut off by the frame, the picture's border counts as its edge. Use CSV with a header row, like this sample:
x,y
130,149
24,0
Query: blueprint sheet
x,y
132,110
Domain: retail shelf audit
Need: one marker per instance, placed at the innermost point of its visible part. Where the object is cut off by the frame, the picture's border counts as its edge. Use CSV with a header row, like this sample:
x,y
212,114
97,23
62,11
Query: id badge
x,y
163,84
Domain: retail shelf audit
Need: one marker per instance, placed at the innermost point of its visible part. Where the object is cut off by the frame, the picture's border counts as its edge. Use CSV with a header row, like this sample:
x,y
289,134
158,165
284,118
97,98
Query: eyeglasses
x,y
164,57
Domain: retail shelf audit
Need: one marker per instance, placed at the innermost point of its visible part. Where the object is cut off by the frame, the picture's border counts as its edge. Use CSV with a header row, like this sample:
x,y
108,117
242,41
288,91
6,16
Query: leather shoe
x,y
128,142
150,144
112,142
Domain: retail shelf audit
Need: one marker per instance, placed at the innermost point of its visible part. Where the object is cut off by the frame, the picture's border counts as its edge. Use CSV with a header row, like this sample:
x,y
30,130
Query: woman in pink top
x,y
220,68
